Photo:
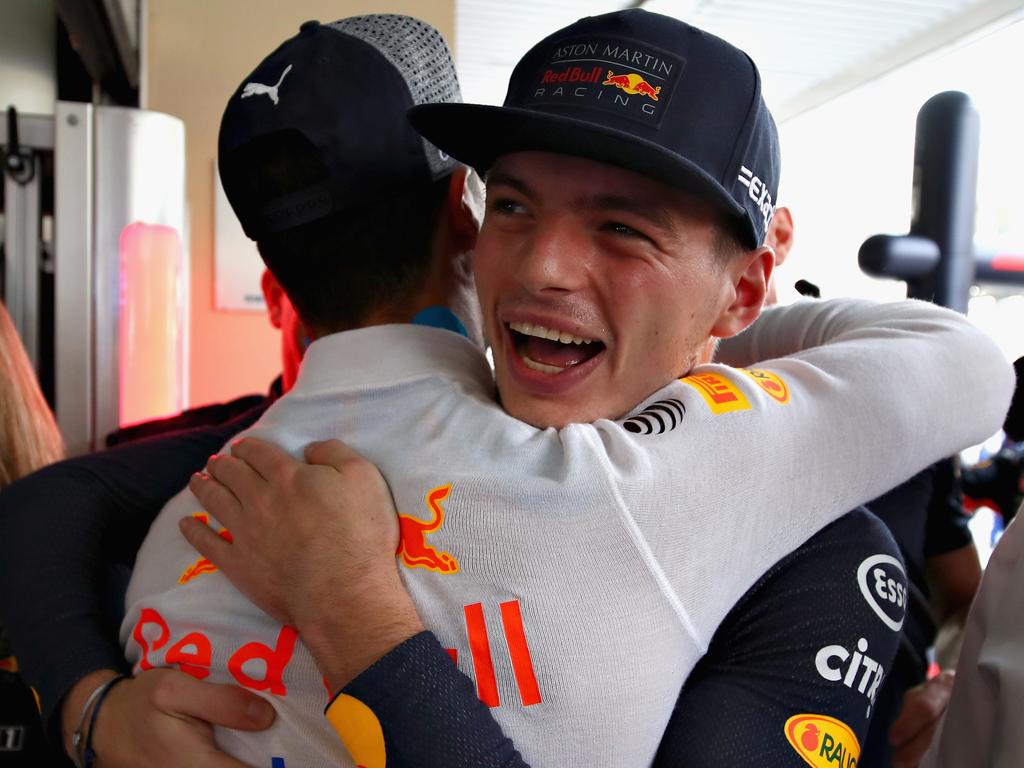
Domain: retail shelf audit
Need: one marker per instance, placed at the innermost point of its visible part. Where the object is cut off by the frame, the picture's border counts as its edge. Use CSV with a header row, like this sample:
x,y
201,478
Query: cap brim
x,y
477,135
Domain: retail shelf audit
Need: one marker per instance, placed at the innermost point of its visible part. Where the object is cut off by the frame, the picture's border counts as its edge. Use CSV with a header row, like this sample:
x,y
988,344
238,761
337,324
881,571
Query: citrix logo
x,y
831,663
758,191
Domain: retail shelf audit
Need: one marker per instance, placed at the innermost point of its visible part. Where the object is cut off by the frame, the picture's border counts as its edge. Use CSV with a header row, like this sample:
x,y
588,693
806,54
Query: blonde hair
x,y
29,438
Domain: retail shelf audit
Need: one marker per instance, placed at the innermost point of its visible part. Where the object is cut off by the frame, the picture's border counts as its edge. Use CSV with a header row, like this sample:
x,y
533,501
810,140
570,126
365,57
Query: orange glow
x,y
151,335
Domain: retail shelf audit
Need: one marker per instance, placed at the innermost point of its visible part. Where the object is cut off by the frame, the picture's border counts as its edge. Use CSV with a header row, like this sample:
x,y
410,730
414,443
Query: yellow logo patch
x,y
771,383
359,730
823,742
721,395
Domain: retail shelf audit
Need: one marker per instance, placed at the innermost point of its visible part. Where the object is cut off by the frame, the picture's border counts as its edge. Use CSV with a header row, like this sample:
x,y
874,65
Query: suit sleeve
x,y
427,711
68,538
795,667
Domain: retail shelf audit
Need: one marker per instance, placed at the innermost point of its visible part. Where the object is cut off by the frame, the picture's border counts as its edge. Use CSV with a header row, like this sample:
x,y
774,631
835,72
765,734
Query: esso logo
x,y
883,582
888,588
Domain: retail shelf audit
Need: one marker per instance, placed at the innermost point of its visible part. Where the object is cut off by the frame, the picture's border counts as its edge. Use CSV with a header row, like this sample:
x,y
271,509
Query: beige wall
x,y
28,56
196,53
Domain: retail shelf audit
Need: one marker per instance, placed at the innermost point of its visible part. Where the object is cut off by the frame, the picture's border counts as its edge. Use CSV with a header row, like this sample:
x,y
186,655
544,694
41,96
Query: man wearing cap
x,y
527,527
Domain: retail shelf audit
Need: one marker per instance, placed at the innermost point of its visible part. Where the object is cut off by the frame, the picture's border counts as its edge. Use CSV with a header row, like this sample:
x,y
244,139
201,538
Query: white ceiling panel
x,y
809,51
491,36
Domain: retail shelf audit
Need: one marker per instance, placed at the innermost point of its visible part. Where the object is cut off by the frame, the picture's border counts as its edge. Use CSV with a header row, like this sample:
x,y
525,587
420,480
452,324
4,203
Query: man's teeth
x,y
530,363
529,329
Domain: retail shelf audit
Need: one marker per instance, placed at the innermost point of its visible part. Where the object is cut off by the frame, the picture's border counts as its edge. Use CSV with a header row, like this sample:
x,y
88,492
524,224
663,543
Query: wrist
x,y
71,709
367,626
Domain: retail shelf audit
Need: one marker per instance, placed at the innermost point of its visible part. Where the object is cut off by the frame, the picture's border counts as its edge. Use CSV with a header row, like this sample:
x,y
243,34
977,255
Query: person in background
x,y
982,724
780,238
998,481
293,344
928,521
29,440
980,727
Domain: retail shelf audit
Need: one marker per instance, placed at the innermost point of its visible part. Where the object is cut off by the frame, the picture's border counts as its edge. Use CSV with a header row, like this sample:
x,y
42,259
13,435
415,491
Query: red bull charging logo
x,y
633,85
202,565
413,548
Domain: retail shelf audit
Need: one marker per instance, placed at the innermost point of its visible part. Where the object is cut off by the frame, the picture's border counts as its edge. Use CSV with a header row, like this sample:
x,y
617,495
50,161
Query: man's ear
x,y
465,207
273,295
750,275
780,234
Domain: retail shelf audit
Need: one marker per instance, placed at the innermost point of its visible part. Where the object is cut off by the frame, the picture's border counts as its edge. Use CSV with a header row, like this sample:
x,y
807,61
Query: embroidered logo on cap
x,y
632,84
259,89
758,192
619,76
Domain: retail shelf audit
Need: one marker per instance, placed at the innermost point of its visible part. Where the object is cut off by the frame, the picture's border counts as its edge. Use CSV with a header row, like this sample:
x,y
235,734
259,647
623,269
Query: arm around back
x,y
68,535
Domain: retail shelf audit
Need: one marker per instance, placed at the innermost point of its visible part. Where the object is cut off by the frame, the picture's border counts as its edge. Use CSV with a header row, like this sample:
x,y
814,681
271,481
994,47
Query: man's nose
x,y
556,259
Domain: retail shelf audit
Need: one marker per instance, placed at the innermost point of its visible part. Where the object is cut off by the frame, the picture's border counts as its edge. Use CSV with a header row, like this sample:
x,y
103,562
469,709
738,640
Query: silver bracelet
x,y
78,737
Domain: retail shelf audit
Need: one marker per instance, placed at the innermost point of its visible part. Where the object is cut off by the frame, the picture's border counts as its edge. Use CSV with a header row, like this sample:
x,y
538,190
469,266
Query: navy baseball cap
x,y
341,92
637,90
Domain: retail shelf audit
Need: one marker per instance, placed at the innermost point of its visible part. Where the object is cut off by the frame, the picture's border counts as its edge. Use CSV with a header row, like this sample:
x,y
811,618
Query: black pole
x,y
937,258
945,190
998,267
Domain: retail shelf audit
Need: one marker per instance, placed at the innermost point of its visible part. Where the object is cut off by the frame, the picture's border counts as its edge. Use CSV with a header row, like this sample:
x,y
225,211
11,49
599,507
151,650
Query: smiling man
x,y
628,211
597,282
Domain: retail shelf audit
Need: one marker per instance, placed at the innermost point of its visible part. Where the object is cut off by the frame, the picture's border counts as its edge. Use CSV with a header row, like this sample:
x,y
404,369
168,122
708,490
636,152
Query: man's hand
x,y
923,707
163,718
313,545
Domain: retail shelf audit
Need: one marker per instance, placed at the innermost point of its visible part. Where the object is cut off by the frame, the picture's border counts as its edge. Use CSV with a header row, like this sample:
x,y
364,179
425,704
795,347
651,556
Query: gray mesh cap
x,y
342,90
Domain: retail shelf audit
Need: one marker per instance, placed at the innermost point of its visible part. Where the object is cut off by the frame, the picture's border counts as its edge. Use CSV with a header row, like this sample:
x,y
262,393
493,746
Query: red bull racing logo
x,y
633,85
823,742
617,76
413,548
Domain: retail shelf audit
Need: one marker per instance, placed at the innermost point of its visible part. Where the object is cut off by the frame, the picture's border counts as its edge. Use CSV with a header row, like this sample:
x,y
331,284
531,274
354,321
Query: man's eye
x,y
618,228
507,206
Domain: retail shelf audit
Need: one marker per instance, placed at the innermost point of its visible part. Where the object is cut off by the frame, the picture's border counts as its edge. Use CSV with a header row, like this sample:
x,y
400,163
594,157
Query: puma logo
x,y
259,89
412,545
